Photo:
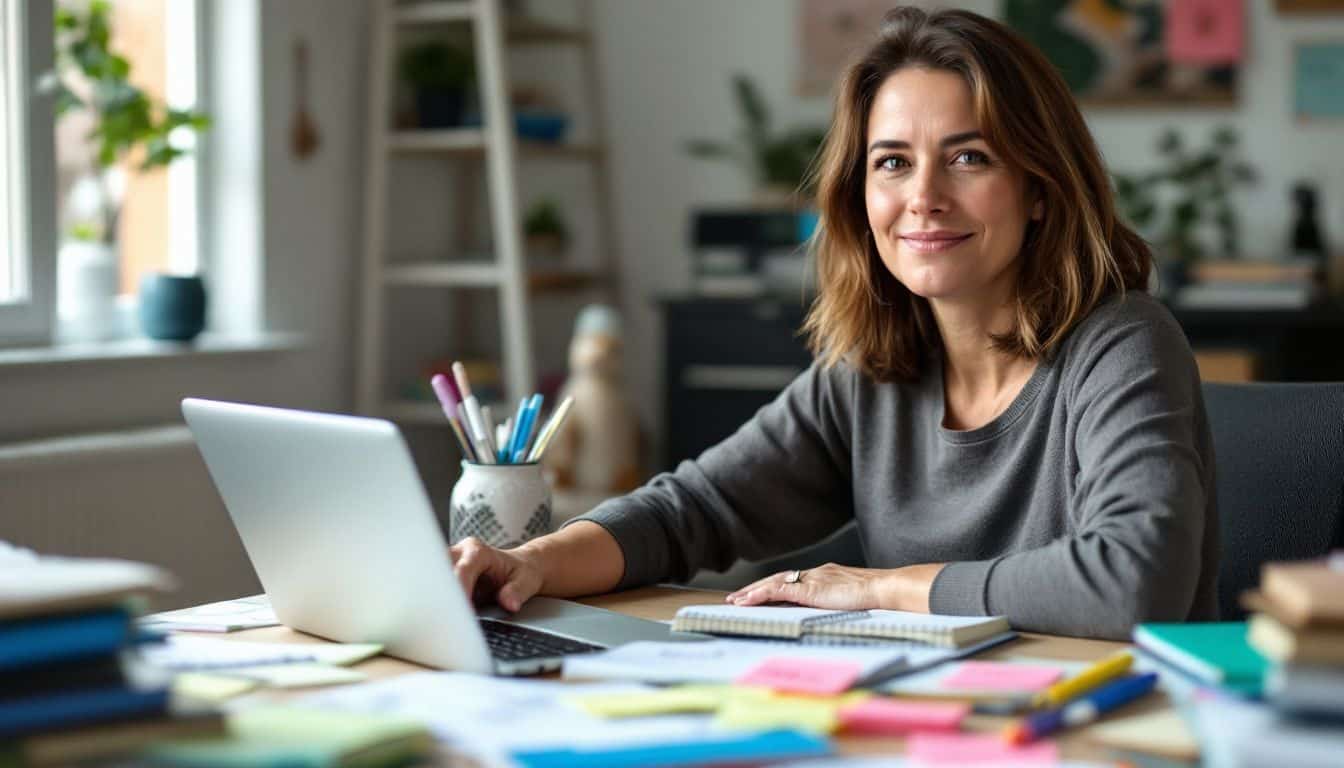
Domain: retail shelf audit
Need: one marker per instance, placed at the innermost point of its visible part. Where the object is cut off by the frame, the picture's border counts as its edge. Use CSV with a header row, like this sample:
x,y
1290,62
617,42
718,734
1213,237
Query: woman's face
x,y
947,214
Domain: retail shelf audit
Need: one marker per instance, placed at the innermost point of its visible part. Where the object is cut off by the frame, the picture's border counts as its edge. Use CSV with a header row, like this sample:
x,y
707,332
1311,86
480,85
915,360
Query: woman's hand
x,y
844,588
489,575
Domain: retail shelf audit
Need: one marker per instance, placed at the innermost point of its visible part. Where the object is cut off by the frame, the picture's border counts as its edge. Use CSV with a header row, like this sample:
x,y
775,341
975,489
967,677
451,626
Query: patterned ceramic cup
x,y
503,505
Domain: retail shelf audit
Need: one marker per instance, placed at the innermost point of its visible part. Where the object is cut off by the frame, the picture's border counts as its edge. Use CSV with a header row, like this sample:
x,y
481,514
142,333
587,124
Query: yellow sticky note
x,y
207,687
679,699
758,710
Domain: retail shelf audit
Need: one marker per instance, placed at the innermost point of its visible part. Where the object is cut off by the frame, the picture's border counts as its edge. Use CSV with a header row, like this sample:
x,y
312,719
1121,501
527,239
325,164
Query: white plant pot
x,y
503,505
86,292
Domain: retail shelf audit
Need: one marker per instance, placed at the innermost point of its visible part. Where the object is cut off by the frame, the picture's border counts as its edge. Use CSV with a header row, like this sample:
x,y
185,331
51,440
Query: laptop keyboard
x,y
511,642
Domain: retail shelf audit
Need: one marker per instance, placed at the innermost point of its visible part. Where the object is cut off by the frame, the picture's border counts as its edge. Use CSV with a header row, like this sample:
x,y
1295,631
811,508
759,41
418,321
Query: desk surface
x,y
663,602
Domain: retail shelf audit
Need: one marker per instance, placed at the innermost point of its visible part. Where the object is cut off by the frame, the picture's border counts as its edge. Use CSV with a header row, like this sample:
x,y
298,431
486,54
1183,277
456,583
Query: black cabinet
x,y
726,357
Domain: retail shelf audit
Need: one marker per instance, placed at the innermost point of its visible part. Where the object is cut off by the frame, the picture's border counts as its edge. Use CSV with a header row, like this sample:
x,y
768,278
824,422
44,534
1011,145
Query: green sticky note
x,y
211,688
262,737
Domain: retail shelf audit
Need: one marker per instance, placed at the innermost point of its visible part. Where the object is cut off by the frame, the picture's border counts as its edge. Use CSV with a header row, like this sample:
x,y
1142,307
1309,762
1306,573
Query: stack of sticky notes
x,y
292,737
1300,627
70,689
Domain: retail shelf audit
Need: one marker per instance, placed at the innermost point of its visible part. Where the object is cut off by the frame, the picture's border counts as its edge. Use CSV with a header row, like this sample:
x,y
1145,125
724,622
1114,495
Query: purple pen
x,y
443,389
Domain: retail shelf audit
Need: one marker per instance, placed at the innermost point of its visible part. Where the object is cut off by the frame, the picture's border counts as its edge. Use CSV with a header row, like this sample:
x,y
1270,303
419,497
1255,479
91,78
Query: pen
x,y
463,385
443,390
520,447
519,420
1103,671
1084,709
476,426
552,427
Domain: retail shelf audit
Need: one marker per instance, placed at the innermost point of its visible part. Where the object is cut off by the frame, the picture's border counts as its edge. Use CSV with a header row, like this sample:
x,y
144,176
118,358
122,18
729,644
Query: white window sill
x,y
138,349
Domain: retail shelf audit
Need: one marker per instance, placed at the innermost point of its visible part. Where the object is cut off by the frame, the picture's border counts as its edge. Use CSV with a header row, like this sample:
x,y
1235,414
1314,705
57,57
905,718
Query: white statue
x,y
598,451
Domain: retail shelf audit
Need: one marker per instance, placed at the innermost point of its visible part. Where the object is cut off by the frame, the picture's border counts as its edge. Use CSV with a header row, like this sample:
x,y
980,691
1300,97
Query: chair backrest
x,y
1279,450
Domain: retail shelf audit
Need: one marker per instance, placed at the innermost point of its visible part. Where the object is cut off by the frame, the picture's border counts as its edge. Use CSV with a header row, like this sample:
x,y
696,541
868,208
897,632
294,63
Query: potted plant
x,y
89,77
1180,204
545,230
440,76
777,162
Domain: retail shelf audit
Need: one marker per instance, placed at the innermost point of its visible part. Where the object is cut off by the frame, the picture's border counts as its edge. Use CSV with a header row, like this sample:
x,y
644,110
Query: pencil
x,y
463,385
462,440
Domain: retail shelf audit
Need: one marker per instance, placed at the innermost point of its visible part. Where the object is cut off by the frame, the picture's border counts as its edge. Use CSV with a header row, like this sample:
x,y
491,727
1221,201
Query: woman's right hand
x,y
488,575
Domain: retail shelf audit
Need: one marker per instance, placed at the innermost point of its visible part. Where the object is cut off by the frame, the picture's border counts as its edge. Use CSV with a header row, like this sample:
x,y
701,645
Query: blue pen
x,y
525,429
1083,709
507,451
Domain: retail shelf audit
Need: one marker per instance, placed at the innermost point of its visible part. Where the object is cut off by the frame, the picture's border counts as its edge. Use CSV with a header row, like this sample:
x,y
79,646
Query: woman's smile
x,y
933,241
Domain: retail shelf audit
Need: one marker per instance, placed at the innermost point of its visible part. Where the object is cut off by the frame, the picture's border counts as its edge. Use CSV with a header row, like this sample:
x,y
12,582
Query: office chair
x,y
1280,455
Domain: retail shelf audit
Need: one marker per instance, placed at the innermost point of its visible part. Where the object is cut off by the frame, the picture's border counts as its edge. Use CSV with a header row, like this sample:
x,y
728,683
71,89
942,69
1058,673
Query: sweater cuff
x,y
642,541
962,589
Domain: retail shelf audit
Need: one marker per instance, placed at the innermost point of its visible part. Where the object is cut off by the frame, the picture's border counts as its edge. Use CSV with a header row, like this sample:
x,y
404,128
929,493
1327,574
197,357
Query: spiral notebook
x,y
797,623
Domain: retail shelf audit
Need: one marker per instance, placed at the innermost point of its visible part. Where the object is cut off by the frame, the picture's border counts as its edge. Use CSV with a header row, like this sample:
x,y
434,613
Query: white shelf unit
x,y
504,270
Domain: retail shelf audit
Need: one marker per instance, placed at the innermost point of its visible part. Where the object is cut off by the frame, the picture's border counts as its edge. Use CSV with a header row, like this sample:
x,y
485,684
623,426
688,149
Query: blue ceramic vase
x,y
172,308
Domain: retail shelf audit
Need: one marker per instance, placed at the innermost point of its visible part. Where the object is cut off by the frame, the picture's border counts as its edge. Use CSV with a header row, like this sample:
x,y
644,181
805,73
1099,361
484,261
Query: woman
x,y
1016,426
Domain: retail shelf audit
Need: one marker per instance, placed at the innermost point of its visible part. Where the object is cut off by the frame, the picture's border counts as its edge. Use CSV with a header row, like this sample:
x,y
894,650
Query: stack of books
x,y
1299,625
70,686
1239,284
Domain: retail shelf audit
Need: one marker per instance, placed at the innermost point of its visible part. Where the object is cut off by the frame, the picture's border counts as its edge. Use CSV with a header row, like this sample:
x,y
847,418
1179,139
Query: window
x,y
27,222
157,230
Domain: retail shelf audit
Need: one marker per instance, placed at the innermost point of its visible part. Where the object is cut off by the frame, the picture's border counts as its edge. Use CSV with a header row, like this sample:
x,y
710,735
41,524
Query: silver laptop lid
x,y
339,529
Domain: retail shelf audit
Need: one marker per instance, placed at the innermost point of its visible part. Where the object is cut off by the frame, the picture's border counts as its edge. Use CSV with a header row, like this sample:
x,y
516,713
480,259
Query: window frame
x,y
30,162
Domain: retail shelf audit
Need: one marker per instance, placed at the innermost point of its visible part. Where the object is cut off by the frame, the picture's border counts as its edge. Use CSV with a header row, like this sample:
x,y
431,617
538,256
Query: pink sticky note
x,y
803,675
1204,31
891,717
997,676
970,749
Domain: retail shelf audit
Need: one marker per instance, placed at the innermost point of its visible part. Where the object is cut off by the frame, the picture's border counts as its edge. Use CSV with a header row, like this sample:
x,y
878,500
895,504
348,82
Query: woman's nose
x,y
927,196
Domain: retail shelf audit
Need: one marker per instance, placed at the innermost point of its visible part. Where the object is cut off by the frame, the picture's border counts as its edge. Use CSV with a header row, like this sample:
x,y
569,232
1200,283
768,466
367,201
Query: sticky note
x,y
970,749
756,710
300,675
679,699
1205,31
998,676
882,716
208,687
813,676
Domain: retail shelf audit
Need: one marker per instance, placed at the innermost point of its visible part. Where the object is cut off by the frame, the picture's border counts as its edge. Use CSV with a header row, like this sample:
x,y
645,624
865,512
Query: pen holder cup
x,y
503,505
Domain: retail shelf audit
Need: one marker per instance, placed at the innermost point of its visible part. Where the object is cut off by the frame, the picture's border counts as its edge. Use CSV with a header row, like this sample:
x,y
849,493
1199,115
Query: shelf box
x,y
433,11
443,274
448,140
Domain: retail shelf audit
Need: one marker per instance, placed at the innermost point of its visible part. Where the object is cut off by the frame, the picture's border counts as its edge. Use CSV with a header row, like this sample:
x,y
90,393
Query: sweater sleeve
x,y
1144,475
779,483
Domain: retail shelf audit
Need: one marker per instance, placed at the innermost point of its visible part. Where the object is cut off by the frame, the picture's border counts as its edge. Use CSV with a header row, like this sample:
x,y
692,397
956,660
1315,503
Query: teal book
x,y
1216,653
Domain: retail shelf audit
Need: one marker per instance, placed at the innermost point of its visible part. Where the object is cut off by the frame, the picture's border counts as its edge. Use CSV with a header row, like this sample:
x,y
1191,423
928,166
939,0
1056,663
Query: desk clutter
x,y
84,677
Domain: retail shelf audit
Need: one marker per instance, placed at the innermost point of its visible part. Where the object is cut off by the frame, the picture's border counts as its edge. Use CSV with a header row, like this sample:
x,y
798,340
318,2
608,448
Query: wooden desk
x,y
663,602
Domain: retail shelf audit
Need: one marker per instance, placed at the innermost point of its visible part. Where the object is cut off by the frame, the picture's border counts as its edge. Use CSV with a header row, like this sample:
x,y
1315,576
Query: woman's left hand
x,y
845,588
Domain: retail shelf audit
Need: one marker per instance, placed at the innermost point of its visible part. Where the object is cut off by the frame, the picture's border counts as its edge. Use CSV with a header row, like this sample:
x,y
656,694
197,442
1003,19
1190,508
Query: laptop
x,y
345,542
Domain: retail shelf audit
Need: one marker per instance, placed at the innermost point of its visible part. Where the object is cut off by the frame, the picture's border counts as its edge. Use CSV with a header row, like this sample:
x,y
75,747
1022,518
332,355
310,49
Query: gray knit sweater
x,y
1085,507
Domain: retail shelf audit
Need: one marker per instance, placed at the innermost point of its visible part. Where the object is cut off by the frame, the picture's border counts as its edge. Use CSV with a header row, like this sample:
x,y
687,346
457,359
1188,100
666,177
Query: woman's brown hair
x,y
1077,255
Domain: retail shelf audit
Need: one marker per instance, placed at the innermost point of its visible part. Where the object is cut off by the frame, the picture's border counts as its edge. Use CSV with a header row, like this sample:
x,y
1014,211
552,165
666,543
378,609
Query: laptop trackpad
x,y
584,622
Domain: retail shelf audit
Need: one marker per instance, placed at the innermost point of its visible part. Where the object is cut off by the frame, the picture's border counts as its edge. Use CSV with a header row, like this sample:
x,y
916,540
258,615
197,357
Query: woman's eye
x,y
971,157
890,163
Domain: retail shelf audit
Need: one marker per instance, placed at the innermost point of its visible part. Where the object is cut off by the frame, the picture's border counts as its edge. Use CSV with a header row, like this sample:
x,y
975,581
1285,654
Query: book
x,y
1247,295
1306,591
49,585
1281,644
1216,653
1255,602
135,692
295,737
44,639
1307,690
794,623
69,746
1238,271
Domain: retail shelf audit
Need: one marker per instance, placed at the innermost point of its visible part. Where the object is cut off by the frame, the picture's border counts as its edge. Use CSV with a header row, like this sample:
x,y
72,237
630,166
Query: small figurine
x,y
1307,240
599,449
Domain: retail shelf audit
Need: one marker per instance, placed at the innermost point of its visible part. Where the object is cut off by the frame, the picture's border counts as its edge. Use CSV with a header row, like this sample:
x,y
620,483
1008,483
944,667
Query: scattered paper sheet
x,y
188,653
489,717
224,616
